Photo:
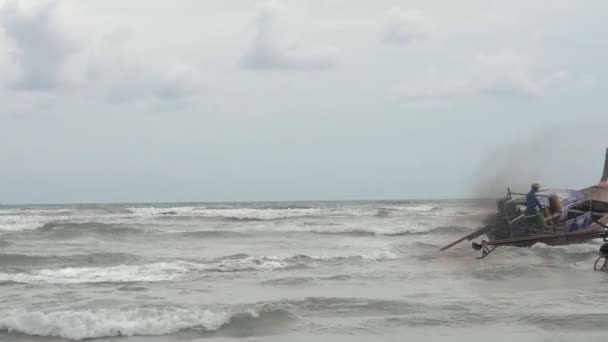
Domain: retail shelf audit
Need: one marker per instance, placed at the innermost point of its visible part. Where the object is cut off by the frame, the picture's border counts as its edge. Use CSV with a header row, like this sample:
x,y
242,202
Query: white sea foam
x,y
572,248
420,207
248,263
86,324
278,213
160,211
122,273
154,272
36,211
26,221
367,228
236,213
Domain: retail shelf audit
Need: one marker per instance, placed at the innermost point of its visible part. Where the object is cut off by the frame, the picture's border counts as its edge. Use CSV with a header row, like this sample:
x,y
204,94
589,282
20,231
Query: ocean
x,y
286,271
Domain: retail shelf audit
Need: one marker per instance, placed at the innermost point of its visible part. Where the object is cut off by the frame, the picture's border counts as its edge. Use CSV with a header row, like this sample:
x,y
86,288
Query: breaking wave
x,y
577,248
213,234
18,223
280,212
71,229
570,253
406,232
100,218
569,322
241,320
331,230
352,306
245,262
137,321
168,271
235,214
154,272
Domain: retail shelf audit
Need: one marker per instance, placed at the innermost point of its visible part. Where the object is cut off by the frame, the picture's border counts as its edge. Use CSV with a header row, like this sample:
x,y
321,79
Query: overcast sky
x,y
224,100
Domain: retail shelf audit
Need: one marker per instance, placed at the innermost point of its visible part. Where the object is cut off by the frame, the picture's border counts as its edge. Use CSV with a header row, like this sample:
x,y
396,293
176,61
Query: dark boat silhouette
x,y
568,216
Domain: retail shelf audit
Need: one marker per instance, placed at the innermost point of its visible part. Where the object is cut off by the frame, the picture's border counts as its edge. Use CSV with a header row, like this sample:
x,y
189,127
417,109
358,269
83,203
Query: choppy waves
x,y
24,219
112,231
252,270
159,271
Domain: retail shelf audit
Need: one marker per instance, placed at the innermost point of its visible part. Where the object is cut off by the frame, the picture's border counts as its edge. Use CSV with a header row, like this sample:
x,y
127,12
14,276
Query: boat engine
x,y
603,257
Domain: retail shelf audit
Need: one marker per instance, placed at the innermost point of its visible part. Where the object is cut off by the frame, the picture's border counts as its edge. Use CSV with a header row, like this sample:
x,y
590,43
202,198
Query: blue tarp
x,y
567,197
579,222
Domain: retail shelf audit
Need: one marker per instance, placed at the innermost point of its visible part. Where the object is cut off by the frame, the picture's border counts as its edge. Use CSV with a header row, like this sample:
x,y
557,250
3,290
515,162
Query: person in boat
x,y
533,206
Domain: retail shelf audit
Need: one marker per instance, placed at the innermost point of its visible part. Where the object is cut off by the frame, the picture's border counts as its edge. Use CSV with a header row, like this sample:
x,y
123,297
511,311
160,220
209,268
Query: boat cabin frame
x,y
565,217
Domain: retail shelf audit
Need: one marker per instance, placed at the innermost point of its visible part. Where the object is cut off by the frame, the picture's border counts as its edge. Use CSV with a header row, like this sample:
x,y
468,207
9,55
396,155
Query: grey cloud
x,y
335,131
268,51
41,49
404,27
48,60
125,74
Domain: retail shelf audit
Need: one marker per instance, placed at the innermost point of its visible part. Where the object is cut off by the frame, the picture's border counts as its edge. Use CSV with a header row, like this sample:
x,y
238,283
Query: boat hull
x,y
553,239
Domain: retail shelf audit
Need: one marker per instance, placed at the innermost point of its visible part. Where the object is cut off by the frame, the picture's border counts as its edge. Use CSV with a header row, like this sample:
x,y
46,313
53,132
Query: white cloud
x,y
404,27
563,77
40,49
433,86
268,50
128,81
506,73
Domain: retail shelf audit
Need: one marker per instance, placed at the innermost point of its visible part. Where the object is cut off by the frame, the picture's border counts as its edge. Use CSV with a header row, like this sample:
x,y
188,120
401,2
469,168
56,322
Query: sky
x,y
238,100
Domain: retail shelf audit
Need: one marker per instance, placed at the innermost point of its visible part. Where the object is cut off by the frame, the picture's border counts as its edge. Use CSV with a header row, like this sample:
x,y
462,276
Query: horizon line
x,y
246,201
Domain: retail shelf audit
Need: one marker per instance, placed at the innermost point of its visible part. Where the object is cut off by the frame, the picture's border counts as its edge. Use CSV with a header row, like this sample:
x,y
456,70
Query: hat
x,y
535,185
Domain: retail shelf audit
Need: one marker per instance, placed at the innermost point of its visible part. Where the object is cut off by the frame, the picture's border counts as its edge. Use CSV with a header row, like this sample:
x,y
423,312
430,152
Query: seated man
x,y
532,203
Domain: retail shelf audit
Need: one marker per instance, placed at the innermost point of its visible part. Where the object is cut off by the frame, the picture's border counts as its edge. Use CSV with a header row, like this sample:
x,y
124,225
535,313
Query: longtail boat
x,y
568,217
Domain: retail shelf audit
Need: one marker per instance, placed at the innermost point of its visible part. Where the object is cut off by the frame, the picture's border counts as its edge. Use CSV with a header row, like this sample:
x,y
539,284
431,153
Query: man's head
x,y
535,187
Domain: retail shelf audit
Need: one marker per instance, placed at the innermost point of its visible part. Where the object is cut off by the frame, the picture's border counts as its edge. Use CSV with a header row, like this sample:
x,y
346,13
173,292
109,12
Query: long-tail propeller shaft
x,y
604,179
